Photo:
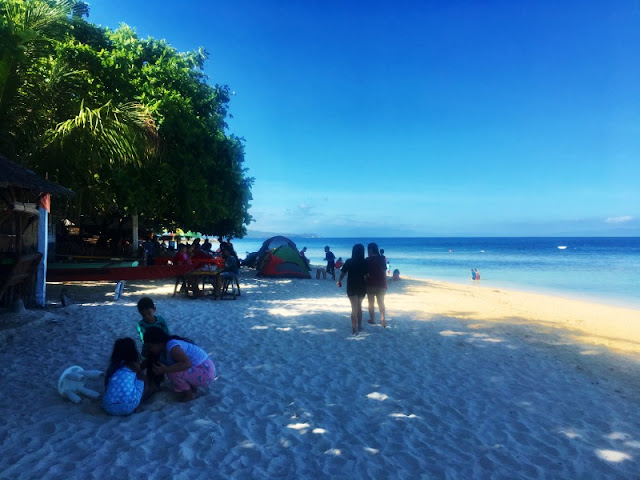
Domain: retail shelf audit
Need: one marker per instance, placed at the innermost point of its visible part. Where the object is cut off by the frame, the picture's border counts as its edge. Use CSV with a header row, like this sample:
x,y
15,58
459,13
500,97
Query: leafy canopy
x,y
130,124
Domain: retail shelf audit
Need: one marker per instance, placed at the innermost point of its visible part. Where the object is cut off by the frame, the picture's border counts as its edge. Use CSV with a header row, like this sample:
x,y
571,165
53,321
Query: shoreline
x,y
600,299
618,302
617,327
601,269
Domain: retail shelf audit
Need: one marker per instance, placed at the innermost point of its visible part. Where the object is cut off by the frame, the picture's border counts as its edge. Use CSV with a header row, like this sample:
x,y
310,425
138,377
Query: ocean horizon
x,y
600,269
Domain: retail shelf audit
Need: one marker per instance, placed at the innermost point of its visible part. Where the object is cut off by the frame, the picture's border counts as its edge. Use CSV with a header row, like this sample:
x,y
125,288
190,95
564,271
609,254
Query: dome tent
x,y
279,257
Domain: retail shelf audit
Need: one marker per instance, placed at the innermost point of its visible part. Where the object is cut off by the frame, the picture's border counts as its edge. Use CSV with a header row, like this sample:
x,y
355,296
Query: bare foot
x,y
187,396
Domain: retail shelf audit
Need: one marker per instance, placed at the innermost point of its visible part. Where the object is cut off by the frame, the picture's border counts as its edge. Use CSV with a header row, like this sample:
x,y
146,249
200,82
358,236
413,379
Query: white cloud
x,y
623,219
299,212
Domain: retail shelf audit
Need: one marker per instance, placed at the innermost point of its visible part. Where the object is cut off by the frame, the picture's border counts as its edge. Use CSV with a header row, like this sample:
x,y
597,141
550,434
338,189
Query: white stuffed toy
x,y
71,383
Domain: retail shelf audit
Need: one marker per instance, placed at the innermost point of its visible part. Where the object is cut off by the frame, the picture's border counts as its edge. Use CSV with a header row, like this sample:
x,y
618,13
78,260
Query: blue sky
x,y
424,118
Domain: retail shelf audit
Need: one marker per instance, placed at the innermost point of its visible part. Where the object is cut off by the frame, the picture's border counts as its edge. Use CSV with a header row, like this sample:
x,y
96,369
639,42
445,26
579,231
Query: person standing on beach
x,y
151,250
386,262
355,268
376,282
331,262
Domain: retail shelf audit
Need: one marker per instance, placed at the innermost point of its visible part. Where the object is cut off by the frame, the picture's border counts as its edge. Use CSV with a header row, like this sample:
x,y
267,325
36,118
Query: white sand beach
x,y
468,382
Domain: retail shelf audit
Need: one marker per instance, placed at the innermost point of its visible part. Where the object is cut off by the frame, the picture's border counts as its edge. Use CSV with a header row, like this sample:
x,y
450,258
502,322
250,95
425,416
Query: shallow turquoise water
x,y
600,269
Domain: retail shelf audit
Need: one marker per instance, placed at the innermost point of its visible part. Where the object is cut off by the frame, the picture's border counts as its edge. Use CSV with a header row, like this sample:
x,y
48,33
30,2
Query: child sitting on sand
x,y
304,256
149,319
124,381
187,365
396,275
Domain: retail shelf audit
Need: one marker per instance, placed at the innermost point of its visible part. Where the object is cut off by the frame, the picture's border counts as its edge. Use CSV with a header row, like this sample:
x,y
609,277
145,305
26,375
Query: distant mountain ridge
x,y
265,235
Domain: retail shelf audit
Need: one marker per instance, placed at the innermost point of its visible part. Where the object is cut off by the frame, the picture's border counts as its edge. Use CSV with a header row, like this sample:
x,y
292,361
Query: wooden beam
x,y
28,208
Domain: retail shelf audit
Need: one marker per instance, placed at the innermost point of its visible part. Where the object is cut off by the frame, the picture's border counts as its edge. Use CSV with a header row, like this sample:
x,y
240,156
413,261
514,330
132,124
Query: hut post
x,y
43,246
18,220
134,243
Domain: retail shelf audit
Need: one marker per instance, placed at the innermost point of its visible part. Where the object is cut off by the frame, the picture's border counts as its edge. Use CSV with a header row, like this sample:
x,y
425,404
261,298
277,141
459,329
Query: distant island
x,y
265,235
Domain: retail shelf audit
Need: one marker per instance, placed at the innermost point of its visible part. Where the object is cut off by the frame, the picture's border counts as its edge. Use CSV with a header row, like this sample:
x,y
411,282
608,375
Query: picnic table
x,y
200,278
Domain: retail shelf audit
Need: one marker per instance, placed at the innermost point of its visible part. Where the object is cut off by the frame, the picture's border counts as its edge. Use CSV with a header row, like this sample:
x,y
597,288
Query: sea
x,y
603,270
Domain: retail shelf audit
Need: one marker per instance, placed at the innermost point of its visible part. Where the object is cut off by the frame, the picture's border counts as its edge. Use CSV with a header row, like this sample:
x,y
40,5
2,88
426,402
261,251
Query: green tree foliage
x,y
130,124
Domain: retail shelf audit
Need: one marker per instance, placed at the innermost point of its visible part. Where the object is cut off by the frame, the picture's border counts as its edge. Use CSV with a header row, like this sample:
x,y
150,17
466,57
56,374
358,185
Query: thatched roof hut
x,y
14,176
21,193
23,230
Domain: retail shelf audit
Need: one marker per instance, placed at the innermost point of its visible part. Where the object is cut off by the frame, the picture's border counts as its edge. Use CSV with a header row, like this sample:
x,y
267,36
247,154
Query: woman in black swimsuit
x,y
356,269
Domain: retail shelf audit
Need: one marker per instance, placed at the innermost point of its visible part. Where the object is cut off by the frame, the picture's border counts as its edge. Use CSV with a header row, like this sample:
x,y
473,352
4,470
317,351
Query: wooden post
x,y
134,243
18,220
43,246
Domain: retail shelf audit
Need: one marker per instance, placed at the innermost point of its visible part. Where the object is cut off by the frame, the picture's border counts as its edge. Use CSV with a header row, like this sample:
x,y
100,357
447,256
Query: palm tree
x,y
29,30
26,30
113,133
35,90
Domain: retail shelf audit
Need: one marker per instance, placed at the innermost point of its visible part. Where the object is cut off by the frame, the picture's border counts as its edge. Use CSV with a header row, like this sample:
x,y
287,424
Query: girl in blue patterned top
x,y
124,380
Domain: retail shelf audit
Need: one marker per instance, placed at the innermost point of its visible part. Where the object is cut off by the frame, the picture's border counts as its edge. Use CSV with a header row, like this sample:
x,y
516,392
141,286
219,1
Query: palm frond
x,y
118,133
35,18
80,9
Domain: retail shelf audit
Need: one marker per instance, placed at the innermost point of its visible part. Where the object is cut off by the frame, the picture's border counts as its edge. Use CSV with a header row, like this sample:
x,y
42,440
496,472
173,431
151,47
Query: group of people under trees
x,y
132,378
153,248
189,254
365,277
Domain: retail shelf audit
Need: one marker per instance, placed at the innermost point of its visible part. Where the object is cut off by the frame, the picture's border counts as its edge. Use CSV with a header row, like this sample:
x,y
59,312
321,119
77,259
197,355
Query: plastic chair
x,y
230,287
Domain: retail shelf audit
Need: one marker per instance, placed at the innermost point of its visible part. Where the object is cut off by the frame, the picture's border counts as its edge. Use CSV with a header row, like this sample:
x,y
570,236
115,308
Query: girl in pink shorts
x,y
187,365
